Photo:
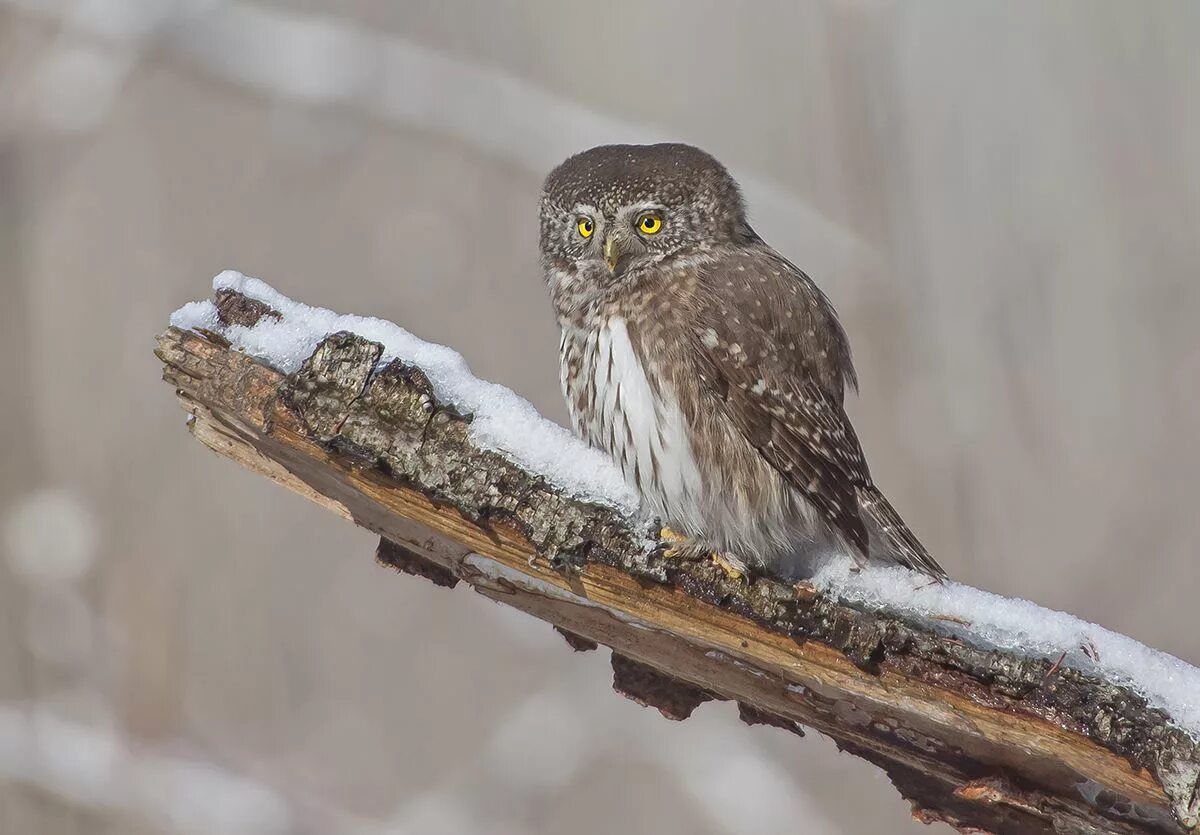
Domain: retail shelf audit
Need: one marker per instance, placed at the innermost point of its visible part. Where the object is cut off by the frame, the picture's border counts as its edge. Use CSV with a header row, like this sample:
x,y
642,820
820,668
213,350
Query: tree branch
x,y
979,738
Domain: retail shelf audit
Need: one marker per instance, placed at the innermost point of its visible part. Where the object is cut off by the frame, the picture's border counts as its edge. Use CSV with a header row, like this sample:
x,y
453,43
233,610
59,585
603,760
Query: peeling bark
x,y
673,698
981,739
410,562
577,642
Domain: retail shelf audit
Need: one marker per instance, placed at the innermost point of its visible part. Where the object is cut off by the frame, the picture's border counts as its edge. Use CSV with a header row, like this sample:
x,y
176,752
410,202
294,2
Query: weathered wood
x,y
981,739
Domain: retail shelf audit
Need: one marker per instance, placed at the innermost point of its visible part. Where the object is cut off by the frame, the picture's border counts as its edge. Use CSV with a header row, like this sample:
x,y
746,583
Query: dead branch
x,y
981,739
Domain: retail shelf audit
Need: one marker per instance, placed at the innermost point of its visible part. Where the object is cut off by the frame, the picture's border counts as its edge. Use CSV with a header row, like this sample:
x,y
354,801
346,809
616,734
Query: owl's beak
x,y
620,249
612,253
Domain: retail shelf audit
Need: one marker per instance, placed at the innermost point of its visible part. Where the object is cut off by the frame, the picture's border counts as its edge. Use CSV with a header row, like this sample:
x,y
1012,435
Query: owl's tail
x,y
898,542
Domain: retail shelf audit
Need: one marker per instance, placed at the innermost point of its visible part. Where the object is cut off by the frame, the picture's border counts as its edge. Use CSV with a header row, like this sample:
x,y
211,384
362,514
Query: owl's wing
x,y
770,345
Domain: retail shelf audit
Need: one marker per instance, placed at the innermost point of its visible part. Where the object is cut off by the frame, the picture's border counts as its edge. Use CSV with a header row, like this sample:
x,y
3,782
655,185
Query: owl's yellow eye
x,y
585,227
650,223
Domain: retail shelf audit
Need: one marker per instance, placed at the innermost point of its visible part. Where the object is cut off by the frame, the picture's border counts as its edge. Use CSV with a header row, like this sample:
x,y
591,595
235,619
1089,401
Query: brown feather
x,y
773,341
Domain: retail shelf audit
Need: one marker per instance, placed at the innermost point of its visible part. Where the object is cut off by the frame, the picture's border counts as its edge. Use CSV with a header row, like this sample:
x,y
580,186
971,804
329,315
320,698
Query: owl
x,y
707,366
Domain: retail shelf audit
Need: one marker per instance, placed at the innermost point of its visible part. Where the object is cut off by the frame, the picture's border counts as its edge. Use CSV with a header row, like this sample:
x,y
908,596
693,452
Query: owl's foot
x,y
683,547
668,535
734,568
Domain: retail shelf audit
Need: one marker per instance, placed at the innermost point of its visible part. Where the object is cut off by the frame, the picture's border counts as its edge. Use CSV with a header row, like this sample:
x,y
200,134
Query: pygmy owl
x,y
707,366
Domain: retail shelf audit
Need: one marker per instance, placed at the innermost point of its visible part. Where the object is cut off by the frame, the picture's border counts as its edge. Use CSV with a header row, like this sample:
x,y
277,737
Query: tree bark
x,y
981,739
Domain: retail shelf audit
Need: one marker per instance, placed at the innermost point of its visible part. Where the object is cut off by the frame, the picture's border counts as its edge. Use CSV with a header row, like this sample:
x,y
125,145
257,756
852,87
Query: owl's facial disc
x,y
616,210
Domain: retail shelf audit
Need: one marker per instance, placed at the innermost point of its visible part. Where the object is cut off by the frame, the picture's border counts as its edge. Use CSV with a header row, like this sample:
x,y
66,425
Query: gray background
x,y
1002,199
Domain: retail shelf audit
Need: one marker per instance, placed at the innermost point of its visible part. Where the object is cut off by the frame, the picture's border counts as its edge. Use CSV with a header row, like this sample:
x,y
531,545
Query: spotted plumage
x,y
706,365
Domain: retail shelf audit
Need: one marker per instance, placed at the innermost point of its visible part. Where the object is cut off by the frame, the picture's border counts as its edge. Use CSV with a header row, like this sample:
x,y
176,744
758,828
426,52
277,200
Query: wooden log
x,y
982,739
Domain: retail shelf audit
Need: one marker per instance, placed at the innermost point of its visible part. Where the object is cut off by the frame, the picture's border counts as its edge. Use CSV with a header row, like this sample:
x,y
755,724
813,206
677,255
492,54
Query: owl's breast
x,y
626,406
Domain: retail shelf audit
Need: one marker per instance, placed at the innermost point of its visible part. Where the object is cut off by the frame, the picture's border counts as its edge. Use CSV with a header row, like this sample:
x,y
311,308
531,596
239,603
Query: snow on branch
x,y
987,713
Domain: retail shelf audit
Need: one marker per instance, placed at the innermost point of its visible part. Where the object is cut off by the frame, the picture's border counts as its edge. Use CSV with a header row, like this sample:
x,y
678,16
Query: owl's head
x,y
615,208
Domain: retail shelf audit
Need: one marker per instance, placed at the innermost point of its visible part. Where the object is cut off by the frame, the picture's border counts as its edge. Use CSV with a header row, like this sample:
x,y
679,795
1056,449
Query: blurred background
x,y
1002,200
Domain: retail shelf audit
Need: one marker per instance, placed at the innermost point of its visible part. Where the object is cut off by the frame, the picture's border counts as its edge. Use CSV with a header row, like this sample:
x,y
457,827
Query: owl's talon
x,y
686,548
683,547
675,538
734,568
669,535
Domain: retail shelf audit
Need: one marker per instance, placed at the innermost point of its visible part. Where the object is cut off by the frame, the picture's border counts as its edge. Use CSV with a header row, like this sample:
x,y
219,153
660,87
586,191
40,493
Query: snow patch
x,y
991,621
503,421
